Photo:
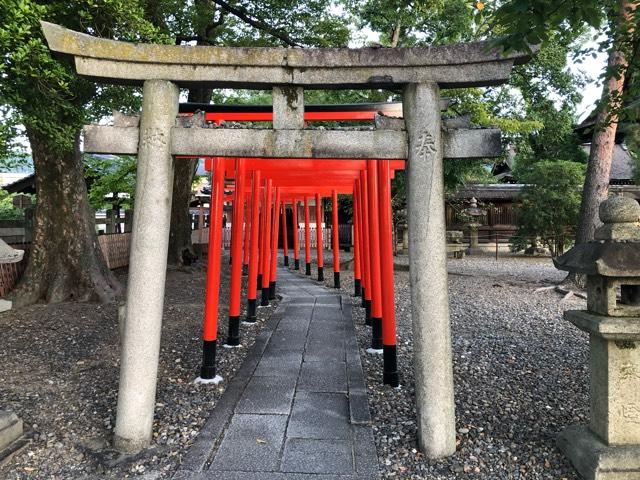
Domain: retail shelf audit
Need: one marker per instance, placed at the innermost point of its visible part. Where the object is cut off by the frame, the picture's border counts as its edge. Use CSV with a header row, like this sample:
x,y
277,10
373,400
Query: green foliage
x,y
7,210
109,176
43,93
550,204
524,23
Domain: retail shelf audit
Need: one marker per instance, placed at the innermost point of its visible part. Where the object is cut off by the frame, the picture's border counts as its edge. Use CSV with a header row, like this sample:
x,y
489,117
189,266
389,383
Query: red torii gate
x,y
293,180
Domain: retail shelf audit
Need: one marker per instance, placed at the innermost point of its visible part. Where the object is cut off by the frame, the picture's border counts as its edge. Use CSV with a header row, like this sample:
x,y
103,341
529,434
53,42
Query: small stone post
x,y
474,222
609,447
428,272
147,268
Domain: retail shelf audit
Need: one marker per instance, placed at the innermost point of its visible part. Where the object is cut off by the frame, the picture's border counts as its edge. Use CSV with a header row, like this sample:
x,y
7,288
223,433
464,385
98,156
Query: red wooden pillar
x,y
285,246
273,269
296,239
389,350
263,213
233,338
360,220
266,232
307,237
319,245
245,258
366,257
356,244
212,293
374,256
335,237
252,281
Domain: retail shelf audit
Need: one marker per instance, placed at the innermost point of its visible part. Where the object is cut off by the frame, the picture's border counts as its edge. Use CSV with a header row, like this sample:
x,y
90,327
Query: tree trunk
x,y
596,185
180,247
65,262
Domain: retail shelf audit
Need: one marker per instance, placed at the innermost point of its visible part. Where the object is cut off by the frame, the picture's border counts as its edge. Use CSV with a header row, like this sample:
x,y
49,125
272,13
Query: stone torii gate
x,y
421,139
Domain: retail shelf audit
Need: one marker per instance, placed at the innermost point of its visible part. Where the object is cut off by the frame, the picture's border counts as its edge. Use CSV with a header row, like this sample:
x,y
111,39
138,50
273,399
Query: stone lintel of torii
x,y
163,69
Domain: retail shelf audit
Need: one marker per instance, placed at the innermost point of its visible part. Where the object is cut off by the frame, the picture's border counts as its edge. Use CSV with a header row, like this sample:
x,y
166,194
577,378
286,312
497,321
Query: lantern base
x,y
595,460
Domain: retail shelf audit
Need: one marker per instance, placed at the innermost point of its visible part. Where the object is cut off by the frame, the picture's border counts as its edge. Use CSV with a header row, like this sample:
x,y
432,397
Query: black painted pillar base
x,y
259,280
296,264
265,297
286,260
321,274
357,287
390,374
251,311
336,279
364,300
234,331
367,312
307,269
272,290
208,369
245,269
376,333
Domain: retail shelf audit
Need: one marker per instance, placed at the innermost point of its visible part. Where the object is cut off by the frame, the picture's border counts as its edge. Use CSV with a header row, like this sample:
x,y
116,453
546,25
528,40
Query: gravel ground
x,y
59,372
521,374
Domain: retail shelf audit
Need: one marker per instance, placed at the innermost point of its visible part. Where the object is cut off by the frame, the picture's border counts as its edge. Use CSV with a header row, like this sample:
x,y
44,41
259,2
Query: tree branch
x,y
243,15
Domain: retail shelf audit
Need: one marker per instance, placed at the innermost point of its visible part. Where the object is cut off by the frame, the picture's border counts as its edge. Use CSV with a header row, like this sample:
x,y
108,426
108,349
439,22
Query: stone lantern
x,y
474,213
609,448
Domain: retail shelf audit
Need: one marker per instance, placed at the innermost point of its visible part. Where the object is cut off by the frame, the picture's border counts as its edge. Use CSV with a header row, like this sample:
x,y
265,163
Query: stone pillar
x,y
147,268
428,272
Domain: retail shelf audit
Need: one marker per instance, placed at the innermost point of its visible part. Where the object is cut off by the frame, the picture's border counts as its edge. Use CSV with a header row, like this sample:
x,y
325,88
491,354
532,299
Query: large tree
x,y
529,22
43,101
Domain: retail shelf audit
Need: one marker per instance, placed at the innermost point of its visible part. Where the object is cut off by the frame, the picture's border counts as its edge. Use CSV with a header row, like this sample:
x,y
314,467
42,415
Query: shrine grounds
x,y
521,376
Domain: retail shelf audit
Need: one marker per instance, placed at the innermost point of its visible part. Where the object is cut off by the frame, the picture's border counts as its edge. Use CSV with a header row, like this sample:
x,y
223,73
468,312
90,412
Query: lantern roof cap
x,y
615,252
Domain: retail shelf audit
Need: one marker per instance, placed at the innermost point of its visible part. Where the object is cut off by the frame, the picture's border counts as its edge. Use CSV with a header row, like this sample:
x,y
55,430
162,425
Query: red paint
x,y
253,239
374,240
285,240
356,236
319,230
366,257
307,232
386,255
296,231
212,295
236,241
274,237
266,236
334,233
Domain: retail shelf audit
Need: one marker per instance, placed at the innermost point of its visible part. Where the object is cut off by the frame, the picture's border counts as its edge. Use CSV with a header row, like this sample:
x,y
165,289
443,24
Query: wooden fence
x,y
115,249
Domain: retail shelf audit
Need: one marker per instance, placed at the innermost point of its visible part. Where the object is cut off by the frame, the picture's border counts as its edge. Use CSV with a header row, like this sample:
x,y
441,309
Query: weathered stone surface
x,y
11,428
458,65
610,328
428,273
311,455
147,268
288,108
619,210
597,461
244,142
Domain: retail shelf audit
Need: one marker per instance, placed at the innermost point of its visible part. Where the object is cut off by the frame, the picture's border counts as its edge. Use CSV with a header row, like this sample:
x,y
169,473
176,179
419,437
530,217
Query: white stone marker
x,y
147,268
428,272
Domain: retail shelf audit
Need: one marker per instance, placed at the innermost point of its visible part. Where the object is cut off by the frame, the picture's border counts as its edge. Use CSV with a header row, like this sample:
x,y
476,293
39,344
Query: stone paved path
x,y
297,409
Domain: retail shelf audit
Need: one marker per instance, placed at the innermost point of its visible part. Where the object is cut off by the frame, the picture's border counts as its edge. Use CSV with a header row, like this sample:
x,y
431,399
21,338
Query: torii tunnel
x,y
263,189
327,162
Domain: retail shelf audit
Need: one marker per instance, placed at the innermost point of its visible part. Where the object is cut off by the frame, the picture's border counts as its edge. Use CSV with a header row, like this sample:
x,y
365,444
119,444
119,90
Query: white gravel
x,y
521,374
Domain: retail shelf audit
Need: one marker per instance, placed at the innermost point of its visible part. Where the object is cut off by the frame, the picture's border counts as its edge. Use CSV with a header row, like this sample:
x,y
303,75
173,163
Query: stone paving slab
x,y
297,408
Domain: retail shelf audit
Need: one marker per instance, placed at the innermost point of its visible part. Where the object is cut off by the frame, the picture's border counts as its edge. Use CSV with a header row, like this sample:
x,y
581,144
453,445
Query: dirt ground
x,y
59,371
